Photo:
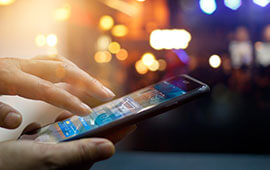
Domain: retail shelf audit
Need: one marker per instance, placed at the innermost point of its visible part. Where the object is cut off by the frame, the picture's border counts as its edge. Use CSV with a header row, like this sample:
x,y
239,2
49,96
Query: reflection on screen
x,y
134,103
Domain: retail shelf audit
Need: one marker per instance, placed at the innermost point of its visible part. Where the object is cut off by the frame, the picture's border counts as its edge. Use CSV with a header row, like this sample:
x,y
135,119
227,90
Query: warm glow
x,y
154,66
140,67
122,6
170,39
148,59
140,0
215,61
162,65
122,55
114,47
119,30
40,40
106,22
103,57
62,14
103,42
52,40
6,2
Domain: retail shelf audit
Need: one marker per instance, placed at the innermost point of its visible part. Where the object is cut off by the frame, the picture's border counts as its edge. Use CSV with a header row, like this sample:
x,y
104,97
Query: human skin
x,y
36,79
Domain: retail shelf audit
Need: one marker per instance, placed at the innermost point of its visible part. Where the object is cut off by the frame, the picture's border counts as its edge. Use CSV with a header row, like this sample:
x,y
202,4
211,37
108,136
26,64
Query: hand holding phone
x,y
139,105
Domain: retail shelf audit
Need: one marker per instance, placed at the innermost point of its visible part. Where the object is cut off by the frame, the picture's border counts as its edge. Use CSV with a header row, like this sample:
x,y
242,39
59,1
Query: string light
x,y
114,47
6,2
162,65
215,61
154,66
106,22
148,59
119,30
40,40
140,67
122,55
103,57
103,42
52,40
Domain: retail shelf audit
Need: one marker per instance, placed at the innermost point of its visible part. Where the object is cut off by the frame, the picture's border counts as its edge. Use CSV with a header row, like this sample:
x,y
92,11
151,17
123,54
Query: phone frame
x,y
158,109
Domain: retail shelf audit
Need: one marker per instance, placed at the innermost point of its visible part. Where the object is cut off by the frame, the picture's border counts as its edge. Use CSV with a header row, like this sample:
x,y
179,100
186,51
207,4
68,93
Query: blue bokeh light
x,y
208,6
262,3
233,4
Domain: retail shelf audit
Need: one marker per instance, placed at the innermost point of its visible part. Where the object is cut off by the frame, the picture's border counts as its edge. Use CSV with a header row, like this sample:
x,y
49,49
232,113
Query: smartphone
x,y
132,108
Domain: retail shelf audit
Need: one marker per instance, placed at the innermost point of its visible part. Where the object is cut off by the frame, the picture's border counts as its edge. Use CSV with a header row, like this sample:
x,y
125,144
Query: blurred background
x,y
129,44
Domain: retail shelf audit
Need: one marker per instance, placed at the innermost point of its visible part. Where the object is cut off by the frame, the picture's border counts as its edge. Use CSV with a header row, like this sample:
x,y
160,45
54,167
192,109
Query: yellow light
x,y
215,61
6,2
52,40
106,22
140,67
148,59
162,65
114,47
62,14
154,66
103,57
103,42
170,39
40,40
140,0
122,55
119,30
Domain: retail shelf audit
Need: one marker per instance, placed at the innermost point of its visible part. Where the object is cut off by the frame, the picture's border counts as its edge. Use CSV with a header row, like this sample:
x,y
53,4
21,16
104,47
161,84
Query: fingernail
x,y
12,120
109,92
87,108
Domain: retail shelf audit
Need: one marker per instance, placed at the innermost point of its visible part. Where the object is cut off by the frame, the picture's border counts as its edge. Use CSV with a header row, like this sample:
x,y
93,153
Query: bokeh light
x,y
122,55
140,67
63,13
140,0
233,4
6,2
106,22
103,57
119,30
40,40
154,66
148,59
262,3
52,40
103,42
208,6
162,65
170,39
215,61
114,47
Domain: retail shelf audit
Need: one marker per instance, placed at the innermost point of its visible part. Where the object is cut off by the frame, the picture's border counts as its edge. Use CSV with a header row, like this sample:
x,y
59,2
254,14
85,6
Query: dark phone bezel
x,y
135,118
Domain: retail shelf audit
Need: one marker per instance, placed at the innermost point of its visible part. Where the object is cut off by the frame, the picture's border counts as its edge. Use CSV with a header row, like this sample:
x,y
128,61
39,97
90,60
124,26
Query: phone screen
x,y
133,103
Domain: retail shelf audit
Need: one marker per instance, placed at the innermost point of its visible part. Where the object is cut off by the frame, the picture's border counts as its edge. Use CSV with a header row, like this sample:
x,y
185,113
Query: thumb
x,y
9,117
81,153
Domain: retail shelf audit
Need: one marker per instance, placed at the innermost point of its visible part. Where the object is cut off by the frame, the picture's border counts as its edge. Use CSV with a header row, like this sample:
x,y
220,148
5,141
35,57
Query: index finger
x,y
32,87
59,71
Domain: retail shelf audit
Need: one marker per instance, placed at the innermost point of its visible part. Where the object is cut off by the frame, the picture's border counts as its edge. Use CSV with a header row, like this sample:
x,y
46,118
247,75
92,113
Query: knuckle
x,y
45,90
